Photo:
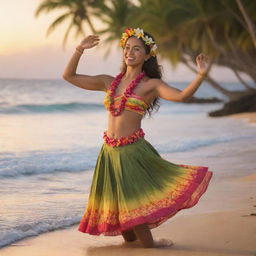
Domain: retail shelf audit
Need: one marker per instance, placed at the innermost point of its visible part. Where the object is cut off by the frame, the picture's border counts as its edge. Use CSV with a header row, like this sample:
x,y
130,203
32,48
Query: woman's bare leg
x,y
144,234
129,235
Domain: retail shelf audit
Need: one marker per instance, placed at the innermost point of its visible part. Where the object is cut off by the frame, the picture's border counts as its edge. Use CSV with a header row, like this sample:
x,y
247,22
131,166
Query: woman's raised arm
x,y
170,93
98,82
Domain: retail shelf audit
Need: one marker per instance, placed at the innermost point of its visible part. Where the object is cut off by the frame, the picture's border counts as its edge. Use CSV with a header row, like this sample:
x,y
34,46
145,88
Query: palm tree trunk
x,y
248,68
248,21
249,88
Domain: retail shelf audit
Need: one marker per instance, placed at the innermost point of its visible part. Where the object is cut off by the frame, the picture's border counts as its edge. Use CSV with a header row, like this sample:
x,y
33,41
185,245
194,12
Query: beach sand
x,y
247,116
222,223
220,233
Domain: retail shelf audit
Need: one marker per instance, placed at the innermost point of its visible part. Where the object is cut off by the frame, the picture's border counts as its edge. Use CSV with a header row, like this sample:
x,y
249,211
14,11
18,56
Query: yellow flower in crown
x,y
139,33
125,36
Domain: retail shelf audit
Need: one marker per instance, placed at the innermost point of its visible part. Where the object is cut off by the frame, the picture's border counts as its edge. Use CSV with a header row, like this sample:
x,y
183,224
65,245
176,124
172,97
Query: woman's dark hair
x,y
152,70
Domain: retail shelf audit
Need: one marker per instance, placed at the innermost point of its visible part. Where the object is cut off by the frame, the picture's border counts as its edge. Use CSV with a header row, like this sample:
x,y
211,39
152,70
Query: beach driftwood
x,y
246,103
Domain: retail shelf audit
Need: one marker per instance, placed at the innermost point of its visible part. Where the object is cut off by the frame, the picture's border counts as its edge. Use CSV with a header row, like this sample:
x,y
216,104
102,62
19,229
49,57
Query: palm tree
x,y
186,27
115,15
248,20
77,11
182,29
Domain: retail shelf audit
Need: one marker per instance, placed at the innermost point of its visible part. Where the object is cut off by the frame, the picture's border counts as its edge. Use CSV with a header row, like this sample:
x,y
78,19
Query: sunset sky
x,y
26,52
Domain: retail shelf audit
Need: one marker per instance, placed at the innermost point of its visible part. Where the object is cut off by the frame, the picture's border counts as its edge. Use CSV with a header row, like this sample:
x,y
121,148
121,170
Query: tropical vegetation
x,y
223,29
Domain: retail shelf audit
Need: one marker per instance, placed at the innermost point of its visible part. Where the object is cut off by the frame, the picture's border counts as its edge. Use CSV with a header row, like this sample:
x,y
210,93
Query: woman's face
x,y
134,52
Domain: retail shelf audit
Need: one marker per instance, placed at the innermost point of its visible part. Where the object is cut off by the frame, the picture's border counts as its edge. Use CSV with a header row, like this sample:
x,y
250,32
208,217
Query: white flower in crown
x,y
139,32
154,47
148,40
153,50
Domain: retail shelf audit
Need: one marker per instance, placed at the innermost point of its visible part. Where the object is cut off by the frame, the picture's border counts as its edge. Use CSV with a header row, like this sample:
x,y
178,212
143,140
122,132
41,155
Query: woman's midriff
x,y
123,125
124,129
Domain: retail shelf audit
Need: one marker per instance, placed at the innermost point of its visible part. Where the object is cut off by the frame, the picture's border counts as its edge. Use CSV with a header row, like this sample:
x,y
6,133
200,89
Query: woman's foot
x,y
162,242
129,236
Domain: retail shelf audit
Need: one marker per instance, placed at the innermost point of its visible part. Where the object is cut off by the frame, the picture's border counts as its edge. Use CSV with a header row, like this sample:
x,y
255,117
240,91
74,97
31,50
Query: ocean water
x,y
51,133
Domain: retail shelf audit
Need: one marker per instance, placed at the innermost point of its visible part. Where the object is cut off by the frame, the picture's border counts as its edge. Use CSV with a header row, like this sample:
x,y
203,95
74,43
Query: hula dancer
x,y
133,188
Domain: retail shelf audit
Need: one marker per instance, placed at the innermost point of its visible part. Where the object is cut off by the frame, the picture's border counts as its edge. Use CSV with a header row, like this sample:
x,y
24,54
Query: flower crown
x,y
138,32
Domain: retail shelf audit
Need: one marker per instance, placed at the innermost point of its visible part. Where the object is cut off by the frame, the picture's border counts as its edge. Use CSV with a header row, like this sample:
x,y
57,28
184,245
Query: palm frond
x,y
50,5
57,22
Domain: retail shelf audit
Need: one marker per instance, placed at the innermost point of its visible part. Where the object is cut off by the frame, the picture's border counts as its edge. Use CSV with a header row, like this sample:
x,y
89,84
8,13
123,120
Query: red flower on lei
x,y
123,140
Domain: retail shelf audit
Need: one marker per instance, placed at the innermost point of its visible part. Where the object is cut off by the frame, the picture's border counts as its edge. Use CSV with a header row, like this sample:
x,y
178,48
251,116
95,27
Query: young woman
x,y
133,188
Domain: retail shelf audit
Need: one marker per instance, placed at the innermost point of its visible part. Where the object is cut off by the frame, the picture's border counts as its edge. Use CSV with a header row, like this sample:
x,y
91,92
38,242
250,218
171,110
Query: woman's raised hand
x,y
202,61
89,41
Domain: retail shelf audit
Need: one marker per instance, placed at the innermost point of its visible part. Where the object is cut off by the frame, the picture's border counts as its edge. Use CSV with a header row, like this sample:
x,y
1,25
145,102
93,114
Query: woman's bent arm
x,y
174,94
97,83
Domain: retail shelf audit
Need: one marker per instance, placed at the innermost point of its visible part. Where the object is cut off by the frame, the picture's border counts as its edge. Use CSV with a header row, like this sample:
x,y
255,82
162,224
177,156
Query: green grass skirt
x,y
133,184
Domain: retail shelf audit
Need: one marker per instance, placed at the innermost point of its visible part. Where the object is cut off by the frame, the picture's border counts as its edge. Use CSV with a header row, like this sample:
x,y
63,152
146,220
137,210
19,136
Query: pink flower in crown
x,y
129,31
139,33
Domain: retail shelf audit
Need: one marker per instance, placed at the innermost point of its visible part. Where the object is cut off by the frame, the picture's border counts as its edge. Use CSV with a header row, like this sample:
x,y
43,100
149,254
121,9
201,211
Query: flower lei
x,y
138,32
125,96
123,140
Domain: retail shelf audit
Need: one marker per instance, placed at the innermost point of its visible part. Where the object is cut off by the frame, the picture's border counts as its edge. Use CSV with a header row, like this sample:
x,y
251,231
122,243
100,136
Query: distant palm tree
x,y
184,28
248,20
78,11
116,16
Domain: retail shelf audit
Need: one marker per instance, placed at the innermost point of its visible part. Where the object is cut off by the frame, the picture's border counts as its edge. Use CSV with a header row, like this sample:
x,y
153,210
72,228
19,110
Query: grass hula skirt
x,y
132,184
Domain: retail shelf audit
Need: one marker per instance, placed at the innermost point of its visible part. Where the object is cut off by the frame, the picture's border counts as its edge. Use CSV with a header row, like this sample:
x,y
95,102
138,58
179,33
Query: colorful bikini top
x,y
134,103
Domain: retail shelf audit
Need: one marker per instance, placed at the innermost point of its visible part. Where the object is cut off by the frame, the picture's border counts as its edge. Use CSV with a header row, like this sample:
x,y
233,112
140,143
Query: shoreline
x,y
222,223
218,233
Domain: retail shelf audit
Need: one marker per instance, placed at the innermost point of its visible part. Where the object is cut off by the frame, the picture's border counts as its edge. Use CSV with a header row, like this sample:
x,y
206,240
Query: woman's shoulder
x,y
107,80
150,87
153,82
